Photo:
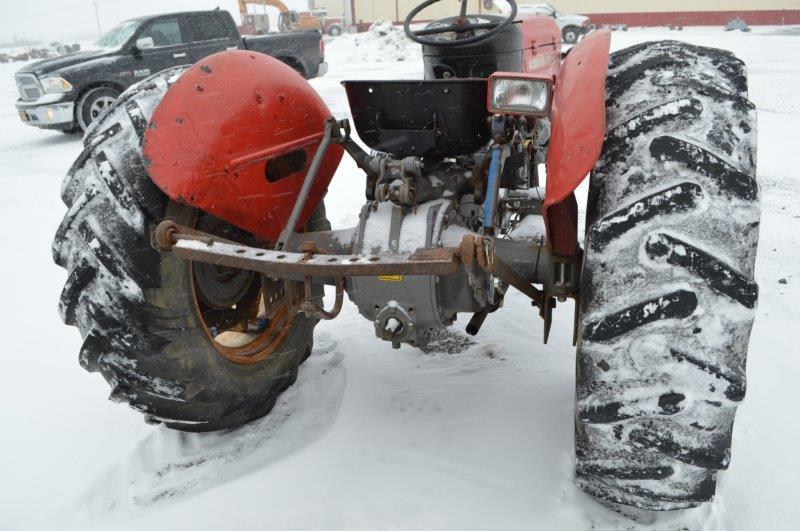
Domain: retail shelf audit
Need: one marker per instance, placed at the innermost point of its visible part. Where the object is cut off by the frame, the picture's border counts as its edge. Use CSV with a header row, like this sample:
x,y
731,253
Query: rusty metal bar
x,y
507,274
193,245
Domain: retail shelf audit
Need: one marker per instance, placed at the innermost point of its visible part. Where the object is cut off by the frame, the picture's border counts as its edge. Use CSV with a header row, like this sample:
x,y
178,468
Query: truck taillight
x,y
321,50
519,95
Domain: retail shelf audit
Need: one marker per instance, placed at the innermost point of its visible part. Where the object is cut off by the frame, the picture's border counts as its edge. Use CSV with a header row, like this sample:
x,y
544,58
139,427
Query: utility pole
x,y
97,19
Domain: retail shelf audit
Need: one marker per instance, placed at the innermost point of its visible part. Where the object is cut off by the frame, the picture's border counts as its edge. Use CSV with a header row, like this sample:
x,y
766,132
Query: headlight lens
x,y
519,96
53,85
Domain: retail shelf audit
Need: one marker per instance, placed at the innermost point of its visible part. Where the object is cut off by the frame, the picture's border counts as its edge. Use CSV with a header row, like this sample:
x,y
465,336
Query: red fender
x,y
541,42
234,137
578,127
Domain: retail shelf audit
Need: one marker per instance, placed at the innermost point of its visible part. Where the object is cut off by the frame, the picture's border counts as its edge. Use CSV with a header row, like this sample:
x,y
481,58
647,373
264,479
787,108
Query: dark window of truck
x,y
165,32
209,26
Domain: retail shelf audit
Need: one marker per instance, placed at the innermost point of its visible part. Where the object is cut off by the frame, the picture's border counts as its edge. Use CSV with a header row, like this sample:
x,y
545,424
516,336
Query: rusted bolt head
x,y
165,235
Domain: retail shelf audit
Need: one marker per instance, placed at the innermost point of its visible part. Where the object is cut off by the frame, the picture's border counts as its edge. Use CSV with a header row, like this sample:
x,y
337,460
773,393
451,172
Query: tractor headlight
x,y
510,95
53,85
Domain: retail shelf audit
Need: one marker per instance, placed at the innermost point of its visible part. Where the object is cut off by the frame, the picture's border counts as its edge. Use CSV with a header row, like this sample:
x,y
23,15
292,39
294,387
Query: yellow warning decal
x,y
391,278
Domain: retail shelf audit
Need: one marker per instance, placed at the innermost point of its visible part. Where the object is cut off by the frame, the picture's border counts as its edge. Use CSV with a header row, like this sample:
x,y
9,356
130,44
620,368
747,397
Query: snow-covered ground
x,y
370,437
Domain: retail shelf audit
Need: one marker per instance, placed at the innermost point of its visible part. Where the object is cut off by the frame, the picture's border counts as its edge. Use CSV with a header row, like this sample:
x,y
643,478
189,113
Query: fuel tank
x,y
234,136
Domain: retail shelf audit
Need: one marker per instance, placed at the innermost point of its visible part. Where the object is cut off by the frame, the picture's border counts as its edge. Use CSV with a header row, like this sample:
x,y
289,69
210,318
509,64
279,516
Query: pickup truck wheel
x,y
667,293
335,31
93,103
571,34
191,346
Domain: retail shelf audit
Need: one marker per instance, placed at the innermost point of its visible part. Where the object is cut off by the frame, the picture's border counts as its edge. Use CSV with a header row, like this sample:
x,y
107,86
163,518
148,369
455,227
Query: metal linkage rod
x,y
308,182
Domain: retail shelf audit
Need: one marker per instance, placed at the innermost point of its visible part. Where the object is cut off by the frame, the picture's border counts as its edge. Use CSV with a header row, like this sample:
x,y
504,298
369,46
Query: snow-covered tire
x,y
133,305
667,293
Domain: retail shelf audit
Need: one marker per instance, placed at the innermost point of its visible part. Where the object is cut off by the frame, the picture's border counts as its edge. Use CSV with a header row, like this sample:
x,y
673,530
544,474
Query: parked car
x,y
67,93
572,26
59,48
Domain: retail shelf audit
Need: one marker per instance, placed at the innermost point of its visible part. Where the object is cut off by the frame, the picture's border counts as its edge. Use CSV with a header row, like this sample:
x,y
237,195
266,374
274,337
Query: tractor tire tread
x,y
667,293
131,303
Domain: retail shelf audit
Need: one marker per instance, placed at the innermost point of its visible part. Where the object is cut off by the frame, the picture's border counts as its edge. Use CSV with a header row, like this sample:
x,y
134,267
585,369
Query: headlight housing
x,y
519,95
54,85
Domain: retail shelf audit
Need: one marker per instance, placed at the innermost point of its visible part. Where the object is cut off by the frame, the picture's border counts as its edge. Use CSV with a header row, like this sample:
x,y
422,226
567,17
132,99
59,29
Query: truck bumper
x,y
46,113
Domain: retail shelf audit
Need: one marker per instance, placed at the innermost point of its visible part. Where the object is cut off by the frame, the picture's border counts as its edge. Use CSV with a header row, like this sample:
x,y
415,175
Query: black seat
x,y
431,117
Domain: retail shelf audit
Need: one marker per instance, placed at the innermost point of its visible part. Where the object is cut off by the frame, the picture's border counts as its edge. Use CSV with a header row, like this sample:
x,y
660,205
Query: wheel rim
x,y
571,36
246,316
98,106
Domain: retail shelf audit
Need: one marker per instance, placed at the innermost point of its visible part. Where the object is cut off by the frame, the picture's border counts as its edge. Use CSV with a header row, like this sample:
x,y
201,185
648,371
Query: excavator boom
x,y
289,20
274,3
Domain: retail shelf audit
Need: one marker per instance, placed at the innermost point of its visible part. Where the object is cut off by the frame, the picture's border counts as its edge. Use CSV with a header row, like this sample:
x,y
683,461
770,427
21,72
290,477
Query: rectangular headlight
x,y
52,85
510,95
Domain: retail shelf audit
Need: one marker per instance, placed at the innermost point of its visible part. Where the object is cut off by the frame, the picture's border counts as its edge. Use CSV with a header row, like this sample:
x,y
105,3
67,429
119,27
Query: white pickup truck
x,y
572,26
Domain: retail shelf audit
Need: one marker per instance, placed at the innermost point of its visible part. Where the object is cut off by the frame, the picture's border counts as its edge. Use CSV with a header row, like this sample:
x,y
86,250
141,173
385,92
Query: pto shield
x,y
234,137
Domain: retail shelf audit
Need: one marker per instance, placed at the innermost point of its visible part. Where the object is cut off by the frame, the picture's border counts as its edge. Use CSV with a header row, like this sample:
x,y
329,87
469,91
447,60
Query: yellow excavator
x,y
288,20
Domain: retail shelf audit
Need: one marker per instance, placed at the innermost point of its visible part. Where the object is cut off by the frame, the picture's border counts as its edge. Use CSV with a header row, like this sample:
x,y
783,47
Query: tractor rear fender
x,y
578,127
234,136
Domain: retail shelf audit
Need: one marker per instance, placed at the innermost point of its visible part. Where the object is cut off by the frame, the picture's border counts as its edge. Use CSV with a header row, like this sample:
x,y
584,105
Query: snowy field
x,y
369,437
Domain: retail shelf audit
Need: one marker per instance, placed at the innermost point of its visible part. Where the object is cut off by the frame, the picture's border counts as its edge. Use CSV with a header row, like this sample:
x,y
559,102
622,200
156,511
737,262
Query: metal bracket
x,y
488,260
313,309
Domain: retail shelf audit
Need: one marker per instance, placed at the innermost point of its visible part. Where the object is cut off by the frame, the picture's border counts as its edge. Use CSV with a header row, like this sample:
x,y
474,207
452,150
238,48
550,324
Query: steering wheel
x,y
460,26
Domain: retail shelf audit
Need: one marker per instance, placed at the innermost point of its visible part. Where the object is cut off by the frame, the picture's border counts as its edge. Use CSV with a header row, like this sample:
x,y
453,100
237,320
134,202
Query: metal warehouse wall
x,y
631,12
371,10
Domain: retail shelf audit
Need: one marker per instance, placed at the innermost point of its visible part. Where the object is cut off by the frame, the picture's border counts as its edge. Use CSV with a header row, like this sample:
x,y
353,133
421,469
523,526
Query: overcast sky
x,y
49,20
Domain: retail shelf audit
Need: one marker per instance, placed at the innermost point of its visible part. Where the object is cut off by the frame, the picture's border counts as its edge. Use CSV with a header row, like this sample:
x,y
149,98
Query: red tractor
x,y
197,243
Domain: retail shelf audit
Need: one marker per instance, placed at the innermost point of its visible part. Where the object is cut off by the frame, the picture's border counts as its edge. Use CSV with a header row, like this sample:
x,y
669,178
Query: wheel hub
x,y
219,286
246,316
99,105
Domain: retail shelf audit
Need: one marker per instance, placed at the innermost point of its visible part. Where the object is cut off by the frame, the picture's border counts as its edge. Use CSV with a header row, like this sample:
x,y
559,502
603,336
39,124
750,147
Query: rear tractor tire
x,y
668,296
192,346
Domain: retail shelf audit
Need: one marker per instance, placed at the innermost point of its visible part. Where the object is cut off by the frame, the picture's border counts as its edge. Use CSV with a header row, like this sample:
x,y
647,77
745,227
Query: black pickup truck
x,y
68,92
